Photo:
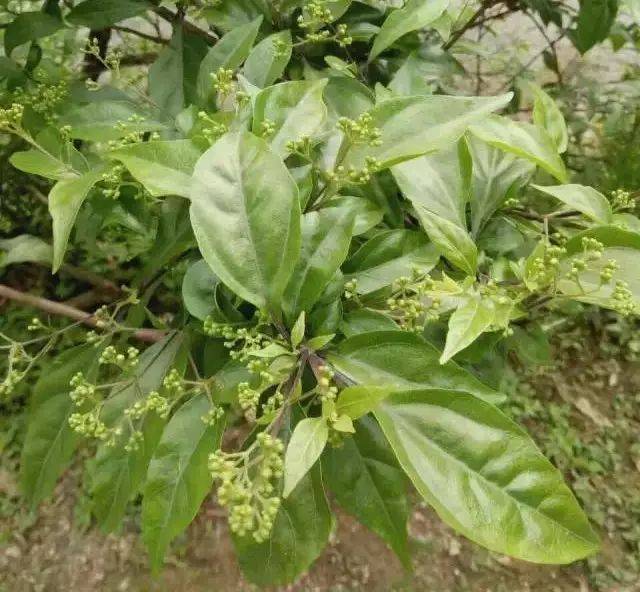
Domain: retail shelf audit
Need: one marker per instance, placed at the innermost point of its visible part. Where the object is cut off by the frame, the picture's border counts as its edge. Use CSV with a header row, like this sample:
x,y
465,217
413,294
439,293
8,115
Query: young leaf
x,y
522,139
297,333
300,532
547,115
466,324
246,217
116,474
100,14
326,236
413,126
414,15
268,60
388,256
582,198
50,442
484,476
403,361
199,287
295,109
305,447
65,200
365,477
357,401
228,53
178,478
163,167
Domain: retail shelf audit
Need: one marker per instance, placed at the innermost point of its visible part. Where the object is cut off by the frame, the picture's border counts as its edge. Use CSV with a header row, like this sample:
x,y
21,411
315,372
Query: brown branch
x,y
477,18
142,35
171,16
64,310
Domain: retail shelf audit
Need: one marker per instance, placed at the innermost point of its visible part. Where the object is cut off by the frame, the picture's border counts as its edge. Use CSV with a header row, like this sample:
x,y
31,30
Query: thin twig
x,y
477,16
64,310
171,16
141,34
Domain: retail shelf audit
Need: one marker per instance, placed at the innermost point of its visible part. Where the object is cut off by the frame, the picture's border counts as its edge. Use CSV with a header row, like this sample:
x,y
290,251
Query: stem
x,y
64,310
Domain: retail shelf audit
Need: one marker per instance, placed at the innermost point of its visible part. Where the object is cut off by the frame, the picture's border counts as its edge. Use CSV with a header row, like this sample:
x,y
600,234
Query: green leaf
x,y
232,14
367,214
36,162
547,115
356,401
367,482
594,23
484,476
65,200
24,248
466,324
29,26
305,447
414,15
109,120
228,53
296,110
178,478
413,126
265,65
497,176
246,217
100,14
50,442
326,235
365,320
199,287
299,534
522,139
163,167
582,198
387,256
435,183
115,474
298,330
174,75
402,361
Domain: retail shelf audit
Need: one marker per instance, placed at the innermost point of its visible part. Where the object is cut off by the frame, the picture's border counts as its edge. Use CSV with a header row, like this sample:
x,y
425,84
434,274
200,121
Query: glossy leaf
x,y
178,478
413,126
387,256
65,200
467,323
268,59
365,320
228,53
582,198
356,401
305,447
300,532
163,167
524,140
50,442
295,109
484,476
326,236
365,477
414,15
116,474
404,361
246,217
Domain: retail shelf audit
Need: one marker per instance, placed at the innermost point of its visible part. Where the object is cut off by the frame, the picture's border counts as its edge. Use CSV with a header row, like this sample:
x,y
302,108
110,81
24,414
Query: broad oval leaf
x,y
387,256
163,167
582,198
268,59
403,360
365,477
304,449
295,109
199,290
178,478
484,476
414,15
245,214
467,323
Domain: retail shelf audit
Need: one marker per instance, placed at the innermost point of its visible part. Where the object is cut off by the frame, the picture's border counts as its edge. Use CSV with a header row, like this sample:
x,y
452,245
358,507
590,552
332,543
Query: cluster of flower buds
x,y
608,271
591,251
361,130
154,401
622,200
212,416
302,147
341,175
622,299
90,425
267,128
222,81
326,388
11,379
544,268
82,391
11,117
411,305
280,48
248,398
112,180
125,361
211,129
315,15
351,289
247,485
44,98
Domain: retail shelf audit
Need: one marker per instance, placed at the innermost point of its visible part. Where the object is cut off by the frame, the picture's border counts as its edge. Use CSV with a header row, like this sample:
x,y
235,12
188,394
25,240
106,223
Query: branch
x,y
171,16
131,31
64,310
477,18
